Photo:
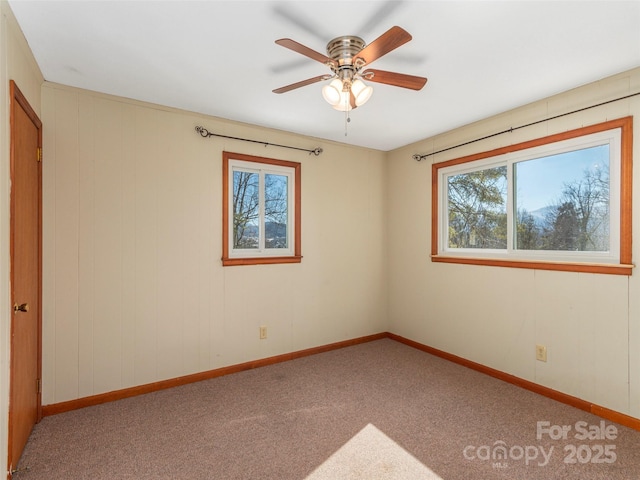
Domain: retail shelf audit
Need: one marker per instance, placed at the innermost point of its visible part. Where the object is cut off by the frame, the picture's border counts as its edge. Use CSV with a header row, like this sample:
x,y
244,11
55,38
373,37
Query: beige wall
x,y
16,63
494,315
134,290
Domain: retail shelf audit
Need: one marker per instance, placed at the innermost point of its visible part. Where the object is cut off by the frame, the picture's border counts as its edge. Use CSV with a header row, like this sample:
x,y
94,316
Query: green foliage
x,y
528,235
561,229
477,209
579,221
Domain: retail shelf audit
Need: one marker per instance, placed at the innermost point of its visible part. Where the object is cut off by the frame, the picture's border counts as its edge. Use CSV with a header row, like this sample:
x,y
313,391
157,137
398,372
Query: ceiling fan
x,y
346,57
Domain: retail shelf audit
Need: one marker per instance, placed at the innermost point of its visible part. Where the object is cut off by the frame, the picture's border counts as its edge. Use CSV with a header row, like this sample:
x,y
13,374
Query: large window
x,y
561,202
261,210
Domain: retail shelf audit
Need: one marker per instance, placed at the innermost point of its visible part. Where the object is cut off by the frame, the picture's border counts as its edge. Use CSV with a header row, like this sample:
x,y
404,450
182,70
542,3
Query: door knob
x,y
24,307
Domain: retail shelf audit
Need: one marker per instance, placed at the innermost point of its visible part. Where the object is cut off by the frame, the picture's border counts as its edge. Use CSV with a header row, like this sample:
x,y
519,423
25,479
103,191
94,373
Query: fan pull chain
x,y
346,121
347,117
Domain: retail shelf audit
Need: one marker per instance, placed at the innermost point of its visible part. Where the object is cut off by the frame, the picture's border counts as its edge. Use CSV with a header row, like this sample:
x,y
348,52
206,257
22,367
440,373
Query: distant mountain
x,y
540,215
272,230
275,230
251,231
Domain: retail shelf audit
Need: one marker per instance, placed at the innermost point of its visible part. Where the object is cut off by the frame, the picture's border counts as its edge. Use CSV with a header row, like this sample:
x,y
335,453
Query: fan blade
x,y
388,41
299,48
303,83
380,15
288,66
395,79
299,21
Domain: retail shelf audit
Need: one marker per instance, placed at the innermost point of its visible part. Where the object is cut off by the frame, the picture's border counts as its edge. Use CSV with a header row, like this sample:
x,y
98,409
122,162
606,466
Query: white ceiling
x,y
219,57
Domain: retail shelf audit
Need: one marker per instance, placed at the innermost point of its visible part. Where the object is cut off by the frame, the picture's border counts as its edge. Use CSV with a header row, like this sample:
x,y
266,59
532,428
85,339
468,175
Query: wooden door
x,y
25,408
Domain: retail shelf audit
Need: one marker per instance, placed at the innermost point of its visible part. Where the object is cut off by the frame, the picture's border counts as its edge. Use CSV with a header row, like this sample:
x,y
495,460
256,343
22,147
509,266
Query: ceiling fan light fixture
x,y
361,91
332,92
346,56
344,105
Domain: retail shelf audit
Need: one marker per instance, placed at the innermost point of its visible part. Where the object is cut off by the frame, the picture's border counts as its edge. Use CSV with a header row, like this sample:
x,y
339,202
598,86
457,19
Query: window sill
x,y
229,262
603,268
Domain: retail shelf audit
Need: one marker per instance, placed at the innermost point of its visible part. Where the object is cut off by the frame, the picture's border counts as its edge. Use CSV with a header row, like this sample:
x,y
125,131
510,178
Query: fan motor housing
x,y
343,49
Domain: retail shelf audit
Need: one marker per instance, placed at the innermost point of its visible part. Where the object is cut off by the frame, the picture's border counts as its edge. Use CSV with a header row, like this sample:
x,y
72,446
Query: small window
x,y
261,210
561,203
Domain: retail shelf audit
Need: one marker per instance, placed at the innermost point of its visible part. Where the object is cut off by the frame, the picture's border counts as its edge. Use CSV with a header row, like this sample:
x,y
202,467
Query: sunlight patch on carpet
x,y
370,454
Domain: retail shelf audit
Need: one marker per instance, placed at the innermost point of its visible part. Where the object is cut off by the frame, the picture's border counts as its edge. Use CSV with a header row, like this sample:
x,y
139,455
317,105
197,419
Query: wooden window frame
x,y
623,267
296,257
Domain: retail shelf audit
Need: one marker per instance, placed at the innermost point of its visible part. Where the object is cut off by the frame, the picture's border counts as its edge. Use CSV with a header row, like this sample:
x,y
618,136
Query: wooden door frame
x,y
18,100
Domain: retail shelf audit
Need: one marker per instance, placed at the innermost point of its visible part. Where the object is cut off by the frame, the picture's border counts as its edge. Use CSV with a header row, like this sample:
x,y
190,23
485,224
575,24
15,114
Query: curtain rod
x,y
419,157
206,133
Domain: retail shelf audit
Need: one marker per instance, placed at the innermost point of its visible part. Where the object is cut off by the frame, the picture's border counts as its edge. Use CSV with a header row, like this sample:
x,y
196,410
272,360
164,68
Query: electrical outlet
x,y
263,332
541,353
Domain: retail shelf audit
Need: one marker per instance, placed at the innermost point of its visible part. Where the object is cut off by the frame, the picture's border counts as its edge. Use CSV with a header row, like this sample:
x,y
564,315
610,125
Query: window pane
x,y
477,209
562,201
246,211
275,211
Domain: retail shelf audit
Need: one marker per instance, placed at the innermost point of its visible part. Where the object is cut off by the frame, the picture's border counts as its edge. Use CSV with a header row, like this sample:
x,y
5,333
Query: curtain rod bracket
x,y
206,133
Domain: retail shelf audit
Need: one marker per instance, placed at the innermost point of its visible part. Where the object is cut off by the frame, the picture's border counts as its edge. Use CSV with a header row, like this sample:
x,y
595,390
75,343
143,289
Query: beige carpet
x,y
380,410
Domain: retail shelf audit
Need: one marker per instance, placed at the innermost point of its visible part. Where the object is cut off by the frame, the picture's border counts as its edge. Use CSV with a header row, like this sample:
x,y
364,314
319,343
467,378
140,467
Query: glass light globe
x,y
332,92
344,105
361,92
